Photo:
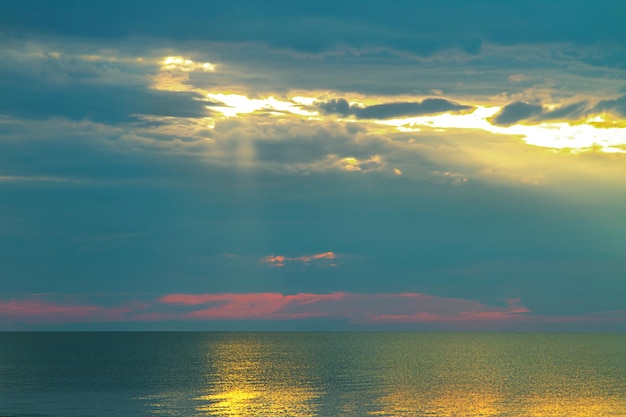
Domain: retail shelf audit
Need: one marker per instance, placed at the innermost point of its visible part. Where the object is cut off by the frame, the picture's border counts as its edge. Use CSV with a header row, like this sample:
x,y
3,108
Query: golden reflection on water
x,y
570,406
254,379
412,375
462,378
441,379
456,404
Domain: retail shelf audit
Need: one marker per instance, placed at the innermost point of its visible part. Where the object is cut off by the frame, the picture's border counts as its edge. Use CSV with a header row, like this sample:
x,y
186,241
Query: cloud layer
x,y
283,24
369,310
218,152
390,110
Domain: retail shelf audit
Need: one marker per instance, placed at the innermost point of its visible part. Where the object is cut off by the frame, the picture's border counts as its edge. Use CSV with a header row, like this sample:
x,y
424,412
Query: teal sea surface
x,y
312,374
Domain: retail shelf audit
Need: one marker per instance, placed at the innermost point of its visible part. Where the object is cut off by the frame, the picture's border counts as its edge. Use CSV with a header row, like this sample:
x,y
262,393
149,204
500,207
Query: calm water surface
x,y
312,374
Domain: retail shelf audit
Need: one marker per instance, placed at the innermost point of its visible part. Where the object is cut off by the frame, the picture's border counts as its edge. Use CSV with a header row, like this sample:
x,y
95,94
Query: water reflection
x,y
439,377
413,375
258,376
502,375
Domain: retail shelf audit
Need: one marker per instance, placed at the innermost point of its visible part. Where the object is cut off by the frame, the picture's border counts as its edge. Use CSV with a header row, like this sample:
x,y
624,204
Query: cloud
x,y
353,164
253,305
320,259
295,145
413,28
518,78
572,111
617,105
183,64
520,111
514,112
357,308
336,106
109,104
390,110
43,311
98,84
274,260
393,110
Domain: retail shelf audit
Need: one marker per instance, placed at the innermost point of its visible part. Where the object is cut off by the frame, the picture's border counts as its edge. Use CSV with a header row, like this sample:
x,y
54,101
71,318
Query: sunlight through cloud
x,y
577,137
236,104
186,65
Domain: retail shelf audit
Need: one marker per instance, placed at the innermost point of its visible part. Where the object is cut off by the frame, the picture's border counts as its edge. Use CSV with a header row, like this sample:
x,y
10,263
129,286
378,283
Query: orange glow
x,y
277,260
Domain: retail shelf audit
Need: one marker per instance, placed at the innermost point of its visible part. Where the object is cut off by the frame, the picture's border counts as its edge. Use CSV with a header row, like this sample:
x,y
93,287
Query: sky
x,y
330,165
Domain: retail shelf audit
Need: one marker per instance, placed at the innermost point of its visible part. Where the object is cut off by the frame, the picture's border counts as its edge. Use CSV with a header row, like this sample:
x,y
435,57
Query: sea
x,y
294,374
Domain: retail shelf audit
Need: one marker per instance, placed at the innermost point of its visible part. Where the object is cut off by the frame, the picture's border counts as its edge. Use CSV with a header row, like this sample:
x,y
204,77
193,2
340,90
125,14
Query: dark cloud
x,y
514,112
301,146
390,110
109,104
521,111
571,111
336,106
617,105
411,26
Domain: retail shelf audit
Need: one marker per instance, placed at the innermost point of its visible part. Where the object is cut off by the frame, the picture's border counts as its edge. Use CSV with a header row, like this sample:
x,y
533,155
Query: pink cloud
x,y
352,307
251,305
36,311
372,309
281,260
361,308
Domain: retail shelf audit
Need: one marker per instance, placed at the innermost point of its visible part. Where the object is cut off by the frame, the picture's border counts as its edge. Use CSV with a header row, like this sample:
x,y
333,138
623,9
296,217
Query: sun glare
x,y
186,65
236,104
577,137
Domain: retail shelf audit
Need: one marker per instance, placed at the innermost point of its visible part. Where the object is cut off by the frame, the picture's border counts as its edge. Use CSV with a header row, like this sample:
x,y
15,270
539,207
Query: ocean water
x,y
312,374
